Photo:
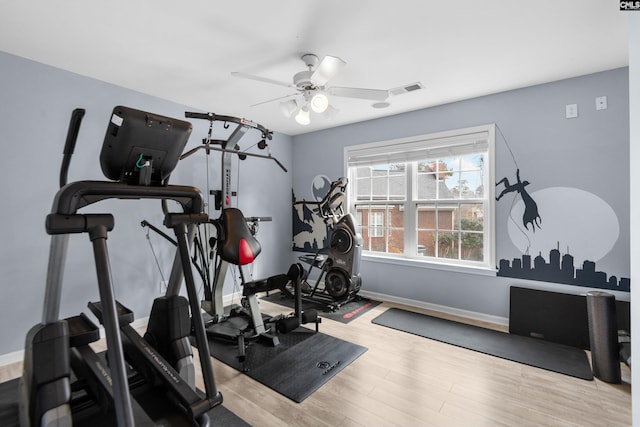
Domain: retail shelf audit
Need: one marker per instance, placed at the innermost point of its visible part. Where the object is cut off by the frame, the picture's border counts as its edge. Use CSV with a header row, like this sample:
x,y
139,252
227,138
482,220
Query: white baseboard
x,y
10,358
498,320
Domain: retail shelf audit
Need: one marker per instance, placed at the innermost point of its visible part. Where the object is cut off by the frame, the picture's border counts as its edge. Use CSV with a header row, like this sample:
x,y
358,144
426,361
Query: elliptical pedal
x,y
125,316
82,331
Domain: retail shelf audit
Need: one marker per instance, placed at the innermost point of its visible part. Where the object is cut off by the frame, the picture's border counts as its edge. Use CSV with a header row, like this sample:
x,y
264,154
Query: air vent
x,y
406,89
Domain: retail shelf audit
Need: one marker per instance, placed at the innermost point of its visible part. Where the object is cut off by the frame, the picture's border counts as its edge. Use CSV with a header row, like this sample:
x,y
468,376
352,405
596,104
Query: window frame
x,y
430,141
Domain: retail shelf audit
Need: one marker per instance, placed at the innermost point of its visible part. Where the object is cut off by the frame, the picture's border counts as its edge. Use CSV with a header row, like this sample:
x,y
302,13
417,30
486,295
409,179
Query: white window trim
x,y
410,143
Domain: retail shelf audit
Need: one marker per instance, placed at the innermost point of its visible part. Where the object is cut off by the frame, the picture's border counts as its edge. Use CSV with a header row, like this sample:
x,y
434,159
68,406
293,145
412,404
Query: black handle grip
x,y
74,128
70,143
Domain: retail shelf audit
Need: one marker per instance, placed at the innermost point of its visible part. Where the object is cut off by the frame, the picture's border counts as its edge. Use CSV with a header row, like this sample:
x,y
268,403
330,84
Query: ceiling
x,y
185,51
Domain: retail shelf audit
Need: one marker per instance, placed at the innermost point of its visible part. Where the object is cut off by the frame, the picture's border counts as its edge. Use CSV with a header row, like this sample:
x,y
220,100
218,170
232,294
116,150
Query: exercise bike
x,y
144,380
338,264
229,240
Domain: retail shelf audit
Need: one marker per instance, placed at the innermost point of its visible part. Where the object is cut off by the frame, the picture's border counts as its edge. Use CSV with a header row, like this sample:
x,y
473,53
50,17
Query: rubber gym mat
x,y
302,362
554,357
9,417
345,314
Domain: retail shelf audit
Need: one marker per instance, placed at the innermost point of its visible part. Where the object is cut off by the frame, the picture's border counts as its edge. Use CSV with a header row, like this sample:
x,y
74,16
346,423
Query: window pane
x,y
427,186
362,185
451,190
447,217
363,172
448,244
379,187
382,228
473,212
472,227
427,243
381,182
432,178
363,213
426,217
472,246
471,185
426,221
397,186
395,224
472,175
395,216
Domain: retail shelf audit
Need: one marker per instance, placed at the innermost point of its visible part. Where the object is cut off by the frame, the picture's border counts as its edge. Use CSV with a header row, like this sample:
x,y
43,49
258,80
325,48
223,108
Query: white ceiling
x,y
185,51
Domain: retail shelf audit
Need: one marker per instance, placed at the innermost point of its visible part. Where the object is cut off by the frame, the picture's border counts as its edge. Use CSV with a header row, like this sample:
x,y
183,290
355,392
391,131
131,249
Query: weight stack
x,y
603,336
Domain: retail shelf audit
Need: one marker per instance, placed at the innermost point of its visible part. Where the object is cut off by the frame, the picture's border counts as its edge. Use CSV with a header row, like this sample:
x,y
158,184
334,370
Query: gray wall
x,y
37,101
589,153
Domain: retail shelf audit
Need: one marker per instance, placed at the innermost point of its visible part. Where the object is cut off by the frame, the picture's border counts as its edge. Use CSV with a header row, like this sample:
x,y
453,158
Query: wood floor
x,y
405,380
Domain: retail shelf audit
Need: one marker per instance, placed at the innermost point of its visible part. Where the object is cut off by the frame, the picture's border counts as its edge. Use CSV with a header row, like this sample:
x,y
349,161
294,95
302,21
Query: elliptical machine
x,y
340,269
139,152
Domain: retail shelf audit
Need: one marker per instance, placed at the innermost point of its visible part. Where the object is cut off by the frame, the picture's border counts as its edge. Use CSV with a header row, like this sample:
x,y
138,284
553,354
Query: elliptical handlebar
x,y
70,143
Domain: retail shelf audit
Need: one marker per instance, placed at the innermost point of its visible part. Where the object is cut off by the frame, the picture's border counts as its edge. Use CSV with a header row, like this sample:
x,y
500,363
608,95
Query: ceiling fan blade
x,y
353,92
326,69
274,99
260,79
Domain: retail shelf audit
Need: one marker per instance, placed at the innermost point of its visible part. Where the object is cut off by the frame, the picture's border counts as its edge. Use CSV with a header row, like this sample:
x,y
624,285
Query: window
x,y
429,197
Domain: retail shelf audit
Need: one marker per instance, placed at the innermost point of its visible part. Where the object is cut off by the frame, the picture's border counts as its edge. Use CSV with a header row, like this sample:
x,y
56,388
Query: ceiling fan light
x,y
288,107
303,116
319,102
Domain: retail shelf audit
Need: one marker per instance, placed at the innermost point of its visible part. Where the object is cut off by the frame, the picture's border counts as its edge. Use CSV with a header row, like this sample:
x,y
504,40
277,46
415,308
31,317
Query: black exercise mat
x,y
9,417
529,351
302,362
345,314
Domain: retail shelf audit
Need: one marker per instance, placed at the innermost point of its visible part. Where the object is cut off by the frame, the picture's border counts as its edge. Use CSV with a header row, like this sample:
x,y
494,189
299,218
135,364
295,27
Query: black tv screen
x,y
142,148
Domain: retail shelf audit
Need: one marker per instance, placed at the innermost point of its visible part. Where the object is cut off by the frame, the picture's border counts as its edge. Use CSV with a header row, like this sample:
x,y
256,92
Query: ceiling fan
x,y
312,89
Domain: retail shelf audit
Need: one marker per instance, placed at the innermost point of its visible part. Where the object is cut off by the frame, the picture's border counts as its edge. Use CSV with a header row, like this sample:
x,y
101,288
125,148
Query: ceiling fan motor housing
x,y
302,80
310,60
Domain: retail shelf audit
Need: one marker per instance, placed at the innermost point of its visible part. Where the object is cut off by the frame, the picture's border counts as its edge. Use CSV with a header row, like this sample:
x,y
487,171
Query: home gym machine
x,y
139,152
340,268
230,240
